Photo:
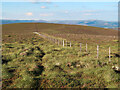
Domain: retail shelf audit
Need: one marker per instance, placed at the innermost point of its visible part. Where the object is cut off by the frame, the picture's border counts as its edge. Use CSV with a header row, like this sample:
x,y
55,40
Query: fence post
x,y
54,40
86,47
70,44
63,43
66,43
109,54
80,47
97,51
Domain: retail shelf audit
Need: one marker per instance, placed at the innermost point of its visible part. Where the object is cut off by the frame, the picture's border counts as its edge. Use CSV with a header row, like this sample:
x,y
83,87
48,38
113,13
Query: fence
x,y
62,42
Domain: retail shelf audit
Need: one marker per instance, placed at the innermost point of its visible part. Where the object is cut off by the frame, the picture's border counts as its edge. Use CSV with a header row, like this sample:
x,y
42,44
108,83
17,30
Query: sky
x,y
107,11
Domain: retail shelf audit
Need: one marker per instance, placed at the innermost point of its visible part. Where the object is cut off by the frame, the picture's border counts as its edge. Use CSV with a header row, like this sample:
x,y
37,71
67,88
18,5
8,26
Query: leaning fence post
x,y
63,43
86,47
109,54
97,51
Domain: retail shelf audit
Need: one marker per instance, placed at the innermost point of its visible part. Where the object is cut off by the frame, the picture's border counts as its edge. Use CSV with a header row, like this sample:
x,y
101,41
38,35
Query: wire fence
x,y
65,43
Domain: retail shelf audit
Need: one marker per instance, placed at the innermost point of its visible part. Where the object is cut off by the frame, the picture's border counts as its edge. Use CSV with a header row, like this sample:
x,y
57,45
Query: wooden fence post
x,y
97,51
109,54
86,47
63,43
80,47
54,40
70,44
66,43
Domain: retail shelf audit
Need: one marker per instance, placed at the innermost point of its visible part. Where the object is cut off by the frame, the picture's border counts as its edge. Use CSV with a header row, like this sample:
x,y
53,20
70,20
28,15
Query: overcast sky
x,y
48,10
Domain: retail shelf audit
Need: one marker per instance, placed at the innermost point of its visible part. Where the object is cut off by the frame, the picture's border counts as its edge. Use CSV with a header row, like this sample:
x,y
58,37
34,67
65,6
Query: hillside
x,y
59,28
32,61
94,23
90,34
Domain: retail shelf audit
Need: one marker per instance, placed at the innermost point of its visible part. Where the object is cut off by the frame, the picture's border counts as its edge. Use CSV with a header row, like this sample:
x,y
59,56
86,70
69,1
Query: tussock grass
x,y
32,62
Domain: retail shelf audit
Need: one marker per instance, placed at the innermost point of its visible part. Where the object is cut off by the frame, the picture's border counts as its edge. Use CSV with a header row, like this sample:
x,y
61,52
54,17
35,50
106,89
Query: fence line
x,y
59,42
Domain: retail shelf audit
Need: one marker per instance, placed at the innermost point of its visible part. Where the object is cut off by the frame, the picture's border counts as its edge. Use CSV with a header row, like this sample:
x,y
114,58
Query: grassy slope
x,y
30,61
77,33
59,28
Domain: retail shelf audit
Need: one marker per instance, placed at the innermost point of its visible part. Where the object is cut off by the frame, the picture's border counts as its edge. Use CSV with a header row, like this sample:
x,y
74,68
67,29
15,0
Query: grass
x,y
29,61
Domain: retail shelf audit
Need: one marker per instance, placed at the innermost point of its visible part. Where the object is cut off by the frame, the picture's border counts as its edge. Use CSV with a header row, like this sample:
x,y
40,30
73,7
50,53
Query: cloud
x,y
56,5
66,12
89,11
36,1
48,1
46,14
89,14
43,7
29,14
44,1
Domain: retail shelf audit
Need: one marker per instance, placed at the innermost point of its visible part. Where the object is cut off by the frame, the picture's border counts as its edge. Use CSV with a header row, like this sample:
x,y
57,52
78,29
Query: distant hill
x,y
57,29
21,21
95,23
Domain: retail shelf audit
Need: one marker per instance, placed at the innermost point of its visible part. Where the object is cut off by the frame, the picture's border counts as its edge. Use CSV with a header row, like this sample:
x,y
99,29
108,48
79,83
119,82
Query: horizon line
x,y
61,20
